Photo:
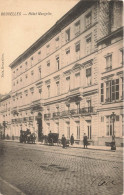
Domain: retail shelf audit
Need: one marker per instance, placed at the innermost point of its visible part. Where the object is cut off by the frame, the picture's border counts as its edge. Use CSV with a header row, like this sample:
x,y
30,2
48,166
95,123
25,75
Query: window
x,y
102,118
58,88
88,76
17,81
48,91
102,92
48,63
26,64
122,124
122,88
14,84
78,130
26,76
57,42
112,90
88,45
20,66
39,70
77,79
47,49
109,129
108,62
122,56
32,72
32,61
39,55
77,50
67,55
88,20
58,62
77,28
20,79
67,35
68,130
67,86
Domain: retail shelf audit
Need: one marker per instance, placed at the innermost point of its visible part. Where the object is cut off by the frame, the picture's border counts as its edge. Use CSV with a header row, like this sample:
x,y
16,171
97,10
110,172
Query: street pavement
x,y
31,169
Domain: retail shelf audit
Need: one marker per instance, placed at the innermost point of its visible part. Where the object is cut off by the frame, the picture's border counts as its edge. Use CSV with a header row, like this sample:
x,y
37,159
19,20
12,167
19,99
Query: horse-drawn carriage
x,y
27,136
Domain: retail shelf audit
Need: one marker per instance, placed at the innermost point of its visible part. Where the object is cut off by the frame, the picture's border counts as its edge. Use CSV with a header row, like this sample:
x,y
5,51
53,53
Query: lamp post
x,y
113,146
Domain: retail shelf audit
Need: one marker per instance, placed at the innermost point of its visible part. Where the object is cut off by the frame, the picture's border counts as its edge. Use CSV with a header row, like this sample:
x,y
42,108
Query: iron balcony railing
x,y
86,110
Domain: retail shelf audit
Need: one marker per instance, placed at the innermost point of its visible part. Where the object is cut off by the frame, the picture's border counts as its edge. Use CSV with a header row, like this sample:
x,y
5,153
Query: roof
x,y
70,16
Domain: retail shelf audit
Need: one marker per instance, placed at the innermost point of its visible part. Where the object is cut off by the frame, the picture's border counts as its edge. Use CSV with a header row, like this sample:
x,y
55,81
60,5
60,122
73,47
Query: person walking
x,y
85,140
72,139
63,141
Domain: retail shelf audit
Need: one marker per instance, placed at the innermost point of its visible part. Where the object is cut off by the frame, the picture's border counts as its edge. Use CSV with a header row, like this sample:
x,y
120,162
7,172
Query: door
x,y
89,131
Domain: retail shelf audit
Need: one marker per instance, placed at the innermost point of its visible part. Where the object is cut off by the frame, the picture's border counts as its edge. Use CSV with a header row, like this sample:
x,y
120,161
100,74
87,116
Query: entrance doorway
x,y
89,130
39,123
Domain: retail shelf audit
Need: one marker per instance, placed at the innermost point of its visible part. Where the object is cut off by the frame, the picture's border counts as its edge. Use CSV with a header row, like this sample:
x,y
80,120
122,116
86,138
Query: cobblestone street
x,y
43,170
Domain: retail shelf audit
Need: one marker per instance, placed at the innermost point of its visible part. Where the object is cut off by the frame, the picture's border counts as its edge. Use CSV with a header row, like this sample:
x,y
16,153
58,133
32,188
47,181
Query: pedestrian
x,y
63,141
85,140
72,139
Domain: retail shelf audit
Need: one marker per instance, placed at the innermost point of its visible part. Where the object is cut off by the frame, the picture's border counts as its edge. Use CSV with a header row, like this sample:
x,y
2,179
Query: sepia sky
x,y
18,32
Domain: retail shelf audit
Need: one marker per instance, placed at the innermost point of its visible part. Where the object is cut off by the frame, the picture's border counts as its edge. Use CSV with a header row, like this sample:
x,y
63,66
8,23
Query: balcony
x,y
65,113
56,114
74,111
86,110
47,116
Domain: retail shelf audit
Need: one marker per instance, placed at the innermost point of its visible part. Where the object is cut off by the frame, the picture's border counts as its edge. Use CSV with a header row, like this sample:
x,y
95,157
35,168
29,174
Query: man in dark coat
x,y
63,141
72,139
85,140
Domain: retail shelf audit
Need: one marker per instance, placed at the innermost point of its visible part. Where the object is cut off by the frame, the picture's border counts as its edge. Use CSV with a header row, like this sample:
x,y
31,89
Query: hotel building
x,y
71,79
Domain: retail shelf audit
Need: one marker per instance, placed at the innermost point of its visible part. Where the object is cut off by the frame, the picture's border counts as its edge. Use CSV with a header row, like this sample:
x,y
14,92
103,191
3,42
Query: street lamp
x,y
113,146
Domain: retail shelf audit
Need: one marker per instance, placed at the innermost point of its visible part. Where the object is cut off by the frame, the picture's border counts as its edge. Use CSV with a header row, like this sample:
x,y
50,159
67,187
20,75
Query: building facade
x,y
71,79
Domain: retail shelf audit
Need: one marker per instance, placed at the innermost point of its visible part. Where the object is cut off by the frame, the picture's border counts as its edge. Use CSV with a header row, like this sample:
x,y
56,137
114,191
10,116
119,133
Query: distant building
x,y
5,116
71,79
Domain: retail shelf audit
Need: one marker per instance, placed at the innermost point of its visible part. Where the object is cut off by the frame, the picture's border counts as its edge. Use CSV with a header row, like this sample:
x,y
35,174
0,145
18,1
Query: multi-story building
x,y
5,116
70,80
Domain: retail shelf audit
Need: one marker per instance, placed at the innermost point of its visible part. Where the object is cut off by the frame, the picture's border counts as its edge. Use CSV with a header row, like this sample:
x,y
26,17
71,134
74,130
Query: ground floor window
x,y
109,130
78,130
89,132
68,130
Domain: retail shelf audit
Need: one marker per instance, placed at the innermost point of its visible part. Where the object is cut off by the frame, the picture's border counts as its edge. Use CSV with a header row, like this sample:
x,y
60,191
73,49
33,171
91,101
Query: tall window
x,y
77,50
122,124
57,42
67,35
67,86
58,62
102,92
78,130
67,55
32,61
108,62
77,79
48,63
77,28
88,45
88,76
122,88
88,20
109,129
122,56
39,55
39,70
68,130
57,87
48,91
112,90
47,49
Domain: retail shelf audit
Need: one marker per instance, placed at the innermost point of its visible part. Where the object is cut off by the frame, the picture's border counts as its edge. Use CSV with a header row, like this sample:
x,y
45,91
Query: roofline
x,y
71,15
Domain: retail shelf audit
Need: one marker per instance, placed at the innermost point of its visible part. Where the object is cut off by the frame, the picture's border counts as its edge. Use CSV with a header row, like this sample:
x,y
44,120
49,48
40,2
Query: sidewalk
x,y
89,147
